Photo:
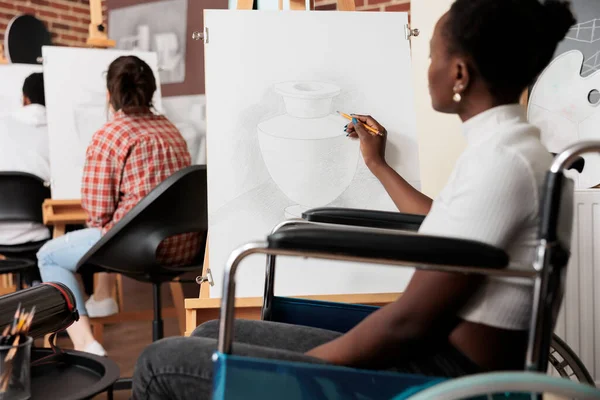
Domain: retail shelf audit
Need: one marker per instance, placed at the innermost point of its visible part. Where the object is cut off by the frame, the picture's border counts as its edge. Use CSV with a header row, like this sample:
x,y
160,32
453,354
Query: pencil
x,y
16,320
367,127
29,319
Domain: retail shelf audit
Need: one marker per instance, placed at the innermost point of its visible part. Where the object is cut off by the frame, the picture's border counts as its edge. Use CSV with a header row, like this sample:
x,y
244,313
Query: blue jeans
x,y
58,258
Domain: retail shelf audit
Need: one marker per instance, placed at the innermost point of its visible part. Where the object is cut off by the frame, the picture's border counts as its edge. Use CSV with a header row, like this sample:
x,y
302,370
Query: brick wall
x,y
368,5
67,20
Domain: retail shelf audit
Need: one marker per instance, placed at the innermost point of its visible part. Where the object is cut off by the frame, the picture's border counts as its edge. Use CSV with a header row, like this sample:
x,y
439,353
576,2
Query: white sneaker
x,y
95,348
102,308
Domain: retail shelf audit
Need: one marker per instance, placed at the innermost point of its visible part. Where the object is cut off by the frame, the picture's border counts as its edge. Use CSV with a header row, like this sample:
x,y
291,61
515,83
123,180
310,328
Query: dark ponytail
x,y
131,84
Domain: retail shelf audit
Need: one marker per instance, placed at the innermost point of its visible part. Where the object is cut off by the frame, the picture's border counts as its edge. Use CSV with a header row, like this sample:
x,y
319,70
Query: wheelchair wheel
x,y
566,363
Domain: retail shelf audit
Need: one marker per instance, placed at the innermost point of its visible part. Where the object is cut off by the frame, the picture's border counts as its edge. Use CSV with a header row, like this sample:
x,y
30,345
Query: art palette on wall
x,y
12,77
560,105
564,100
75,87
277,146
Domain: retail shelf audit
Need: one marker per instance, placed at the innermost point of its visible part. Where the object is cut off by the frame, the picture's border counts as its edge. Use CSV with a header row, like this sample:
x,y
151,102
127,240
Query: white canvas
x,y
12,77
276,146
562,104
188,114
76,105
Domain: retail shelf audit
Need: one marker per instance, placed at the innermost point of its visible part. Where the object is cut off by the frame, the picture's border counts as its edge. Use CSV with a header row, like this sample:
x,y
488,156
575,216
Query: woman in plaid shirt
x,y
129,156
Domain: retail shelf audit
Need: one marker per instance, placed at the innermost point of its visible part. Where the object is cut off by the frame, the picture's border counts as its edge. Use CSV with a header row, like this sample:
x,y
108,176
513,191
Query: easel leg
x,y
97,330
59,230
205,287
191,321
179,303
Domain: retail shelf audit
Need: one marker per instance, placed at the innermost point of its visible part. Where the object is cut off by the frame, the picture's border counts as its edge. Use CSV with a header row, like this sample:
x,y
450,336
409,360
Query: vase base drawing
x,y
294,211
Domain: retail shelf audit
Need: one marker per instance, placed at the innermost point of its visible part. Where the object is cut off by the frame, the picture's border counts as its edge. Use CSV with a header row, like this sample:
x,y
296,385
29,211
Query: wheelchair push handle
x,y
565,159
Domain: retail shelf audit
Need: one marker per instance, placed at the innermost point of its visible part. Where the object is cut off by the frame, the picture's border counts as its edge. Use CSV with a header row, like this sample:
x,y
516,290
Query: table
x,y
77,376
60,213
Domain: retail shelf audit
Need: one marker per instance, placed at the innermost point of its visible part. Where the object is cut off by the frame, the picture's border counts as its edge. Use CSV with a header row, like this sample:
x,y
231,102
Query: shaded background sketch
x,y
12,77
75,88
158,26
268,156
564,101
188,113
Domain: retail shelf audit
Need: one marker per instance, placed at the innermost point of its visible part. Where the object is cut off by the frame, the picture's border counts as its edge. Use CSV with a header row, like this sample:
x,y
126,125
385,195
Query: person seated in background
x,y
127,158
24,148
444,324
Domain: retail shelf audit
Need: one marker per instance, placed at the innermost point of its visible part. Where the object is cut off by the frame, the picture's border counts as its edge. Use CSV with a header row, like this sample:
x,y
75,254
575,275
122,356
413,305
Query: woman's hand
x,y
372,146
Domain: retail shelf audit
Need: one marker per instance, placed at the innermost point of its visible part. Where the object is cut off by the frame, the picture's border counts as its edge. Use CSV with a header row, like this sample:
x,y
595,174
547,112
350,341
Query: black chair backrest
x,y
22,197
178,205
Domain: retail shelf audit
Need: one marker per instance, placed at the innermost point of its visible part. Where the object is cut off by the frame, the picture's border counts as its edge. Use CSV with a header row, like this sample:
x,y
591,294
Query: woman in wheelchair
x,y
444,324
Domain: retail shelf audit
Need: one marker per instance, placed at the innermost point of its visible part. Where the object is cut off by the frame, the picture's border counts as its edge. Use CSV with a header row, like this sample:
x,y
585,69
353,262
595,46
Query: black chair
x,y
178,205
22,197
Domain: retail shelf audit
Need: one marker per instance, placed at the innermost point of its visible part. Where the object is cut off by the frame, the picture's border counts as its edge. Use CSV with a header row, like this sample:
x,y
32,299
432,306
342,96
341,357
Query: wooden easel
x,y
204,308
97,30
60,213
3,59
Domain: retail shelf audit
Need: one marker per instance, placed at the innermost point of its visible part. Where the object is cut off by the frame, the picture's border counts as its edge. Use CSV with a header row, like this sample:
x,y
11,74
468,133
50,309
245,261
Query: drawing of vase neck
x,y
307,99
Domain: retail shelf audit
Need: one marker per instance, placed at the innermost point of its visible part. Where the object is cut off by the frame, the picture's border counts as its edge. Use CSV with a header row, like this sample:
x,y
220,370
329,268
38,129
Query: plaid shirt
x,y
127,158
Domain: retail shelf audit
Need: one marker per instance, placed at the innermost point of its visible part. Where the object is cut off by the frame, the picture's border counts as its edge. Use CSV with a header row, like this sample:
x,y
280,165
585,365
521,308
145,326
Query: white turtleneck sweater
x,y
493,196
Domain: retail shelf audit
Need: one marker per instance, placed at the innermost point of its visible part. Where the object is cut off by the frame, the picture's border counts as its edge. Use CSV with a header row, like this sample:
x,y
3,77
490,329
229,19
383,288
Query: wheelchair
x,y
385,238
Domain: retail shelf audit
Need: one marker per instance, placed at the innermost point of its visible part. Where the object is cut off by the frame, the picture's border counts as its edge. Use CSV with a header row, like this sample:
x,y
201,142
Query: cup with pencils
x,y
15,357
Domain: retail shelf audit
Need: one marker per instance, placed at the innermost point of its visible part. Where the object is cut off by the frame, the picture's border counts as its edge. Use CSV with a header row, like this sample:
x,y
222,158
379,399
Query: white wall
x,y
440,138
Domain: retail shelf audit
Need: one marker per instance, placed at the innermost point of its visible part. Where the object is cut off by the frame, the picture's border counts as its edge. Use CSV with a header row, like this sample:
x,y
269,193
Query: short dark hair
x,y
131,84
509,42
33,88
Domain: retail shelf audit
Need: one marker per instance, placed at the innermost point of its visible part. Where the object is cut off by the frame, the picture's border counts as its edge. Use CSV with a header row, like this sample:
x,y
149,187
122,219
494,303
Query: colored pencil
x,y
367,127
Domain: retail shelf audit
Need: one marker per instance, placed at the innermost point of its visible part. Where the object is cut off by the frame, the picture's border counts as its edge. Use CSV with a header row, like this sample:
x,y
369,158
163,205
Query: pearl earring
x,y
457,97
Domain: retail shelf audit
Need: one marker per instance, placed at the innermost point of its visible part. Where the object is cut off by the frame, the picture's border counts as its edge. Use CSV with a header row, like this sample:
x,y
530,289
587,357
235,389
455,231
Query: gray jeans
x,y
181,367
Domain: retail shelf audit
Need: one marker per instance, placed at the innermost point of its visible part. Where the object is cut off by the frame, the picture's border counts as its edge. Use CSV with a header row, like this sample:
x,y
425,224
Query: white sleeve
x,y
491,196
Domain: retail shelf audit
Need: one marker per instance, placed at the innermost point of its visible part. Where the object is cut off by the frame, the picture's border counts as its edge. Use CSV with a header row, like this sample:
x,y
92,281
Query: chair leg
x,y
18,282
157,324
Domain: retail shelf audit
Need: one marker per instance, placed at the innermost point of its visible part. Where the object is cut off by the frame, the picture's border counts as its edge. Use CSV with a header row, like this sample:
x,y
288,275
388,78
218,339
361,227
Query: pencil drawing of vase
x,y
306,150
89,115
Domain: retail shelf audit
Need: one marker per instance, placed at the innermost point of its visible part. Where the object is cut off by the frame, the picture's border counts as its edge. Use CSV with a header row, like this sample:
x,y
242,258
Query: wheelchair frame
x,y
547,273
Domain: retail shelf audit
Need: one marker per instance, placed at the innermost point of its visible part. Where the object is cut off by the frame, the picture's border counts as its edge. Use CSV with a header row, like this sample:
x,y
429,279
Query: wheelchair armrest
x,y
430,250
366,218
